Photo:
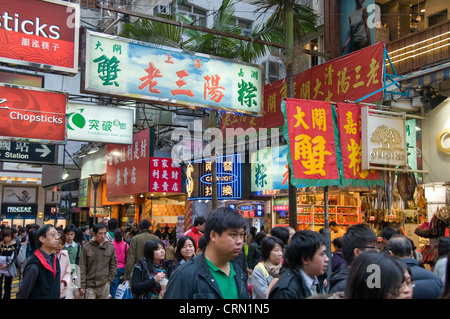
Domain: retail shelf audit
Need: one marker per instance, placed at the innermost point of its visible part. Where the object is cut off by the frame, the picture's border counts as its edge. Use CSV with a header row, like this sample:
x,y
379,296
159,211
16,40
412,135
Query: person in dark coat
x,y
213,274
307,259
254,251
337,260
427,284
41,276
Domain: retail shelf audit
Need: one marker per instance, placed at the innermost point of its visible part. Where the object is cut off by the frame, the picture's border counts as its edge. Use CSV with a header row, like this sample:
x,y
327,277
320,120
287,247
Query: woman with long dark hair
x,y
185,251
150,271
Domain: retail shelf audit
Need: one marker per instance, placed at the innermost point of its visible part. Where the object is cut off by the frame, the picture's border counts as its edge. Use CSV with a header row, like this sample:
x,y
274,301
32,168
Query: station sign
x,y
32,115
42,34
28,152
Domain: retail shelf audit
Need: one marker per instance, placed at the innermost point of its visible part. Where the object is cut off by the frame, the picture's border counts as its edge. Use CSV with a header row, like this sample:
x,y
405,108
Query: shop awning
x,y
425,77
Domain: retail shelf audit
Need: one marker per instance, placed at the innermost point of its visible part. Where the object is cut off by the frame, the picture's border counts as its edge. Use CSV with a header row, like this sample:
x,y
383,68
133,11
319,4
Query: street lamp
x,y
95,179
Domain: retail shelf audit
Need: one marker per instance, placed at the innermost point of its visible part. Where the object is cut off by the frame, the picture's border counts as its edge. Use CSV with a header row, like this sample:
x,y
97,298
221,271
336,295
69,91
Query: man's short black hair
x,y
144,224
280,232
387,232
97,227
42,232
69,228
222,219
357,236
303,245
199,221
333,223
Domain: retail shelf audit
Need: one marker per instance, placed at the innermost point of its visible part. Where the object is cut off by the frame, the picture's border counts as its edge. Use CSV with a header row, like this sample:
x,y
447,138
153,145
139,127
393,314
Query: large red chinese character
x,y
181,74
213,89
153,72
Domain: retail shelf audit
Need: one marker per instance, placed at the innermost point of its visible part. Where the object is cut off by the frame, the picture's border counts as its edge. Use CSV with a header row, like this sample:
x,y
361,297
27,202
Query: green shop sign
x,y
138,70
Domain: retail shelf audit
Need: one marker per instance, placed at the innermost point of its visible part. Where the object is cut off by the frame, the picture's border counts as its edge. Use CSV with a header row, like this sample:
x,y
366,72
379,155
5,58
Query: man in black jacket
x,y
427,284
307,259
212,274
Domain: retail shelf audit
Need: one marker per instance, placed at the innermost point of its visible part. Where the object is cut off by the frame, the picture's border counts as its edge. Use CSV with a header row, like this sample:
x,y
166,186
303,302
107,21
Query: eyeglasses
x,y
410,284
56,235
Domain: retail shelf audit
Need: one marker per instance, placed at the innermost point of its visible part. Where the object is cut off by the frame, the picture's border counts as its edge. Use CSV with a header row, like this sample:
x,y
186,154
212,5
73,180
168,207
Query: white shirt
x,y
310,283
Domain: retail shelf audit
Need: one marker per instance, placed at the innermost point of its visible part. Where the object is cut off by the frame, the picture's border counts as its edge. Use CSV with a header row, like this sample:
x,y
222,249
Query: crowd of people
x,y
217,257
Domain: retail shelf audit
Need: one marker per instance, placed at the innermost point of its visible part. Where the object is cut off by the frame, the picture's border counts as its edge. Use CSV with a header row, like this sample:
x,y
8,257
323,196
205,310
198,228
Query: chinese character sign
x,y
311,134
165,177
42,34
349,123
121,67
127,167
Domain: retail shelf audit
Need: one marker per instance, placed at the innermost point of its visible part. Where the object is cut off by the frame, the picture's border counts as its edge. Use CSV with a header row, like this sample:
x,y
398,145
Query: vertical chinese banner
x,y
349,124
164,176
127,167
311,138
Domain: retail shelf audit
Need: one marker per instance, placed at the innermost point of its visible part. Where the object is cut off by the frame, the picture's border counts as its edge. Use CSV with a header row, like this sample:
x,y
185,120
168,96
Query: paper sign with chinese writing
x,y
124,67
350,77
312,145
40,34
165,177
127,167
349,123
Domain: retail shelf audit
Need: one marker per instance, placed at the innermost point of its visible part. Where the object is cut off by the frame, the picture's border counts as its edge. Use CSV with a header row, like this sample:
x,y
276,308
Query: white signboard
x,y
99,124
383,138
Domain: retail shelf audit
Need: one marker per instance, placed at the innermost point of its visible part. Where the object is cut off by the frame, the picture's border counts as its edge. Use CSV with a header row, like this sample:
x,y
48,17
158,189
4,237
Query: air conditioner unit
x,y
160,9
273,70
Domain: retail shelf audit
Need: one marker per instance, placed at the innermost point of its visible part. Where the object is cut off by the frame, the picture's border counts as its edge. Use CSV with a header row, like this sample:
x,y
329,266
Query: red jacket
x,y
195,234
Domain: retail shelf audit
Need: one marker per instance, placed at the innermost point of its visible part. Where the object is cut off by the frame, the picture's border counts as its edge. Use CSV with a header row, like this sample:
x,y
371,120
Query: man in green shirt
x,y
212,274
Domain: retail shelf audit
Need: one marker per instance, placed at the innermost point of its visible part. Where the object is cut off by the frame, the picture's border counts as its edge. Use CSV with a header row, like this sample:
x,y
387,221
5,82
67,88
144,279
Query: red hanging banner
x,y
164,176
127,167
312,146
349,123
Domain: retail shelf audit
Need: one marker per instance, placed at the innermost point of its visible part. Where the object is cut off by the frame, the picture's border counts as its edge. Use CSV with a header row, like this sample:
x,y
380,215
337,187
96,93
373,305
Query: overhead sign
x,y
127,68
127,166
165,177
32,115
228,174
41,34
383,138
99,124
19,209
27,152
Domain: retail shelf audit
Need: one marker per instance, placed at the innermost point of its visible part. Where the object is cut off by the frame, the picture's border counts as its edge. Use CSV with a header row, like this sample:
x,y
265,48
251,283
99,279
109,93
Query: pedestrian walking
x,y
185,251
64,265
121,249
212,275
337,259
73,249
428,285
357,239
41,276
136,249
254,251
98,265
8,270
441,263
392,281
150,273
269,268
307,259
196,230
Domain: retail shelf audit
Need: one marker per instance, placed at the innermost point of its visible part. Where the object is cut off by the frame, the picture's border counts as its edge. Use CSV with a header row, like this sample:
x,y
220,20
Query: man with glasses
x,y
98,265
41,277
357,239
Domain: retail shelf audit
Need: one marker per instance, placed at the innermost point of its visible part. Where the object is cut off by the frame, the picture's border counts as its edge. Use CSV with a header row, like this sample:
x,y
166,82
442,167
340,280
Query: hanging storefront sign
x,y
127,166
28,152
228,174
127,68
325,144
32,115
165,177
349,124
312,145
248,209
350,77
41,34
99,124
269,169
383,138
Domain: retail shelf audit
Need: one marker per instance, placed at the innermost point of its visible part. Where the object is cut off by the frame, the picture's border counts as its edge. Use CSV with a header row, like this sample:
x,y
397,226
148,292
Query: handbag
x,y
11,271
123,291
